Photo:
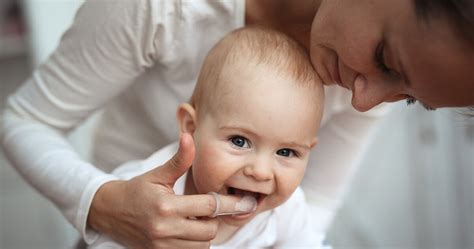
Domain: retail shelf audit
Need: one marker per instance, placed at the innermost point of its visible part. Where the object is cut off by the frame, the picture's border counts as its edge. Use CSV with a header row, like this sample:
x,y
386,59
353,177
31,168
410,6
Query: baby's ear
x,y
186,116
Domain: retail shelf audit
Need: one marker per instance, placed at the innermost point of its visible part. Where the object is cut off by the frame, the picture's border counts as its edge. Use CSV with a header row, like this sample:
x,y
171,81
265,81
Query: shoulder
x,y
137,167
296,201
295,224
293,215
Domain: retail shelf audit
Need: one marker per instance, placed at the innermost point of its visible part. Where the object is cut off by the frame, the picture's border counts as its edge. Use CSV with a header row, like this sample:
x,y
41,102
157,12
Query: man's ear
x,y
186,116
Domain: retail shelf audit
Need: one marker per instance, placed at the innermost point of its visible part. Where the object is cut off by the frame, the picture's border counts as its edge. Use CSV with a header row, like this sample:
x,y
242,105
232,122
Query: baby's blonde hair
x,y
254,46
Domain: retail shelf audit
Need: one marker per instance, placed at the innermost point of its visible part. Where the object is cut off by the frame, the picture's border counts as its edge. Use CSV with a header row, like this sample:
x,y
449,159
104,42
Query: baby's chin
x,y
242,219
237,220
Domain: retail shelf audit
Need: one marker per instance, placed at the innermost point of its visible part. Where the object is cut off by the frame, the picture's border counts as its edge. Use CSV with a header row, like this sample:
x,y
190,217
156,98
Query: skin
x,y
428,61
422,59
243,145
341,37
147,214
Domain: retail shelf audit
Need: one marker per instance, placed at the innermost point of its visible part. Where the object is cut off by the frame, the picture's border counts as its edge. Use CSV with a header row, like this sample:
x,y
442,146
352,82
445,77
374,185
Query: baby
x,y
253,116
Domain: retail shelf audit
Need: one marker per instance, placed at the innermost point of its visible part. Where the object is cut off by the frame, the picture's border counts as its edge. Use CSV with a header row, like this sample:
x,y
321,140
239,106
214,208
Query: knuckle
x,y
175,161
211,204
165,209
211,231
159,231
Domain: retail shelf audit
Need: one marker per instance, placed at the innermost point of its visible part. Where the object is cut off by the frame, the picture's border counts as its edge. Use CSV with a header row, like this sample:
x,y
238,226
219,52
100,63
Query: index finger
x,y
246,205
206,205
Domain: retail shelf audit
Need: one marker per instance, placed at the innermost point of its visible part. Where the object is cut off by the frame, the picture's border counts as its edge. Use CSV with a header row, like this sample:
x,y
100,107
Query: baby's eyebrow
x,y
239,128
299,145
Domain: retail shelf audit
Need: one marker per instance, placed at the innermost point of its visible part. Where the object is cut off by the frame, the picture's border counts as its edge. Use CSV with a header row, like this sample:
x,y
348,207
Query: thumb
x,y
174,168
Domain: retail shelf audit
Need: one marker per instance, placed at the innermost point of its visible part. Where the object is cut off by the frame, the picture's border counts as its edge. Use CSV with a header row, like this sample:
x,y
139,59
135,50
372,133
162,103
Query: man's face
x,y
381,51
256,139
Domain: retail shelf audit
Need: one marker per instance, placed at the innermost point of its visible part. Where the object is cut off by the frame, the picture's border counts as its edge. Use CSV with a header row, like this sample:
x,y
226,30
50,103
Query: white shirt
x,y
138,60
286,226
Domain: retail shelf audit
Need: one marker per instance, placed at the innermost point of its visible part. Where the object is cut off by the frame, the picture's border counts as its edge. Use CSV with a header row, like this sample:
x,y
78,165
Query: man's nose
x,y
261,169
366,95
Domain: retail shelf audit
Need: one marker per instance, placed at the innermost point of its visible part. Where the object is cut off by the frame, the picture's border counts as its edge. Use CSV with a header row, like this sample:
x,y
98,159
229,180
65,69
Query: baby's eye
x,y
286,152
240,141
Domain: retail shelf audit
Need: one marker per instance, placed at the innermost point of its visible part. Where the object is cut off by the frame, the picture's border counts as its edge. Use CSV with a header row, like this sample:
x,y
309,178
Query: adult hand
x,y
144,212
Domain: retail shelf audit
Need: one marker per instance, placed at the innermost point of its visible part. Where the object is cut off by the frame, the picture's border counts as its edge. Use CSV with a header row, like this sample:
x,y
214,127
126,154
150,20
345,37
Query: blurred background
x,y
414,189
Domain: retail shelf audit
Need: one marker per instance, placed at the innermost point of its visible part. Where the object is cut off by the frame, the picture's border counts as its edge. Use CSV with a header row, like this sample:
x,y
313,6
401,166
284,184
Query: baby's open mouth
x,y
241,192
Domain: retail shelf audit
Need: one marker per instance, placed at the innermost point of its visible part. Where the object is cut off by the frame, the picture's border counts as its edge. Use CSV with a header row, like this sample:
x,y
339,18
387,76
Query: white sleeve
x,y
109,45
342,141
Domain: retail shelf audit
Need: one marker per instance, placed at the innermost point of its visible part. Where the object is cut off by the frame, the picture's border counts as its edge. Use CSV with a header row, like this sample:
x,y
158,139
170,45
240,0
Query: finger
x,y
226,206
178,164
198,230
205,205
181,243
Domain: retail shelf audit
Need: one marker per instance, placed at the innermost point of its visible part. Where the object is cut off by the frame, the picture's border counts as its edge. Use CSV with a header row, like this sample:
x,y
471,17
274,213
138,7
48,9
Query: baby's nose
x,y
261,170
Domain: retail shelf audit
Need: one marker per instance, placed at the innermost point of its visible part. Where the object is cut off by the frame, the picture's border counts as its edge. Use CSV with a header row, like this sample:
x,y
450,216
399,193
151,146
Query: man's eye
x,y
410,100
286,152
240,141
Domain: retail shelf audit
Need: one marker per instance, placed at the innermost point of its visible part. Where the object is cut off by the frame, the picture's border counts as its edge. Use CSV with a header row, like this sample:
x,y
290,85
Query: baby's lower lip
x,y
242,216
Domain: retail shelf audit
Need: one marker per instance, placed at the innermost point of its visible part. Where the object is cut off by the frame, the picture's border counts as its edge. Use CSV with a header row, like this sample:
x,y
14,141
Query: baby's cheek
x,y
207,158
207,152
206,170
287,181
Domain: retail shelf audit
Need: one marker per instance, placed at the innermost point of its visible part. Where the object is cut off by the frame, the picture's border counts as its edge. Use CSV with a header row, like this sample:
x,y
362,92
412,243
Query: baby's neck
x,y
224,231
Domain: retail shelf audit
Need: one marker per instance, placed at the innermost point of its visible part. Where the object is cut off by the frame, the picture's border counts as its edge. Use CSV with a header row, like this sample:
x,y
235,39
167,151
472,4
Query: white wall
x,y
414,189
47,20
28,220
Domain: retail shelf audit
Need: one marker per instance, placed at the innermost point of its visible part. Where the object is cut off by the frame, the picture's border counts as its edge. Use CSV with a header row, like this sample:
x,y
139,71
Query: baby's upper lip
x,y
251,189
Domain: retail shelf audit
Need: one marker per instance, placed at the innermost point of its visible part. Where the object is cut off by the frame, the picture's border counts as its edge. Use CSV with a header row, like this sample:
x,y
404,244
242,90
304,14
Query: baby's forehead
x,y
253,92
259,82
271,108
247,74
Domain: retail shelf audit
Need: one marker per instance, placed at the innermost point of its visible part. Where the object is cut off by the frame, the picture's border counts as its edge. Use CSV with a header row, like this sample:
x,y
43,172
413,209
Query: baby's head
x,y
254,116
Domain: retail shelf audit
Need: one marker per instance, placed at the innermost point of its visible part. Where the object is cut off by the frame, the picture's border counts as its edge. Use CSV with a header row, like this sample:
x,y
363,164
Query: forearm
x,y
47,161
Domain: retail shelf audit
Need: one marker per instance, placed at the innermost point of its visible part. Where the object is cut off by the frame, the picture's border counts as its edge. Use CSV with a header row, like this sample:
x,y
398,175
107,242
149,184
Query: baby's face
x,y
256,140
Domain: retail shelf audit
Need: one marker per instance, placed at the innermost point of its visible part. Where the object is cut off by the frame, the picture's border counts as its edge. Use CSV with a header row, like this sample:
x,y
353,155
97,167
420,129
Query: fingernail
x,y
246,204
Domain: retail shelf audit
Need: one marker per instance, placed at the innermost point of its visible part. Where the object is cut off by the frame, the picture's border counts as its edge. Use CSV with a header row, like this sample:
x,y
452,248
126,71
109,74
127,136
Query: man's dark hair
x,y
459,12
